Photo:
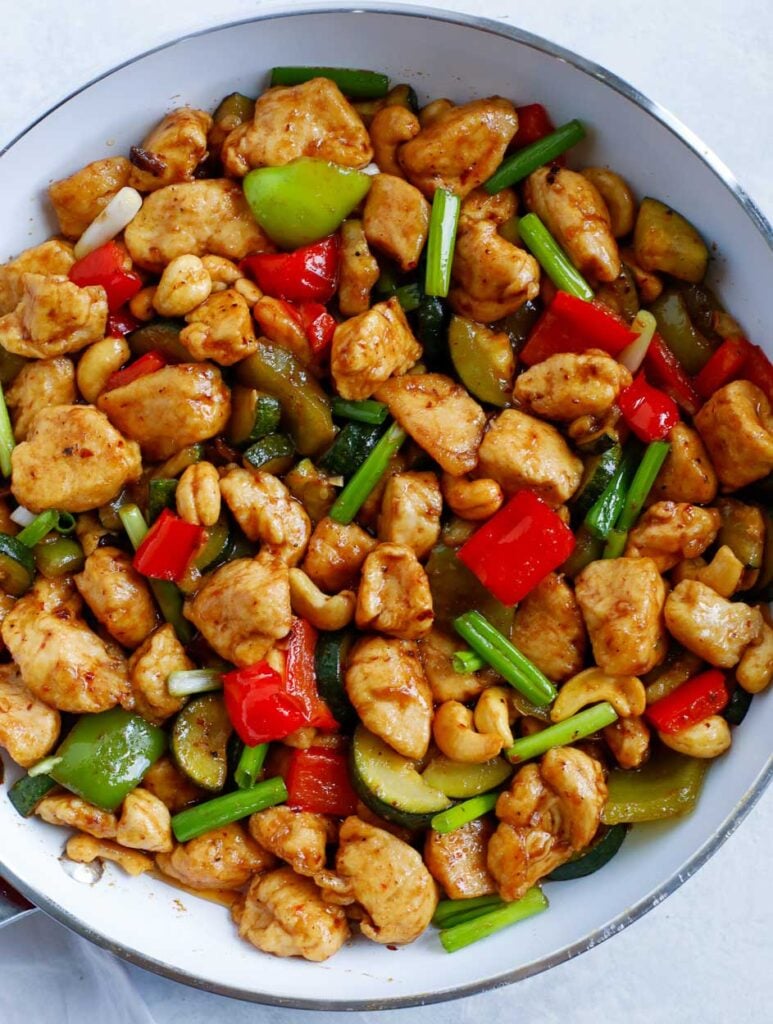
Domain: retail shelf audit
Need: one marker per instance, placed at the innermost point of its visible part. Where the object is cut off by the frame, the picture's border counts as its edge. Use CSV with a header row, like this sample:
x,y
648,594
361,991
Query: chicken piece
x,y
243,607
755,669
493,277
85,849
171,408
520,451
568,385
390,128
550,811
410,512
394,595
54,316
39,385
572,209
396,220
358,269
52,258
335,554
79,199
224,858
479,206
736,425
149,669
172,151
28,727
174,789
145,823
670,531
457,860
72,812
369,348
548,628
439,415
724,573
437,650
284,914
388,879
715,629
196,218
298,837
283,326
687,474
73,459
312,119
386,684
220,329
461,149
60,659
622,600
118,596
265,510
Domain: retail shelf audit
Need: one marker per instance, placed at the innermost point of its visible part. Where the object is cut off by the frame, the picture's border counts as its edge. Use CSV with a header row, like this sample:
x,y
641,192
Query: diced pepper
x,y
168,547
259,705
667,785
661,363
318,781
141,367
301,675
533,124
319,326
703,695
573,325
310,274
121,323
759,370
649,413
105,267
518,547
724,365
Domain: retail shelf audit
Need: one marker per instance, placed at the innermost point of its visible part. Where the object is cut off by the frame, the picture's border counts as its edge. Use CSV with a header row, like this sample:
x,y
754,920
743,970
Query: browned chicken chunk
x,y
549,629
172,151
118,596
457,860
28,727
370,347
225,858
81,197
298,837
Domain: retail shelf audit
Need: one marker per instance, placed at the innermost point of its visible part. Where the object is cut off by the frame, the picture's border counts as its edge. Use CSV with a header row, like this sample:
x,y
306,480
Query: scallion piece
x,y
451,912
366,411
605,511
43,767
552,258
65,523
39,528
641,485
134,524
464,934
497,651
441,241
353,82
223,810
467,810
467,661
615,545
250,765
644,326
562,733
409,296
7,441
350,500
194,680
537,154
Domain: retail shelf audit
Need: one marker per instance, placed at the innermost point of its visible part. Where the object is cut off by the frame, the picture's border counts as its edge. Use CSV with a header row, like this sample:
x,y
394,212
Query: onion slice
x,y
633,355
120,211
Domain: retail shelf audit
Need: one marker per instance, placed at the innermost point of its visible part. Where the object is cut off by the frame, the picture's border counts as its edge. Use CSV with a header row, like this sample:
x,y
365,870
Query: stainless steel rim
x,y
737,815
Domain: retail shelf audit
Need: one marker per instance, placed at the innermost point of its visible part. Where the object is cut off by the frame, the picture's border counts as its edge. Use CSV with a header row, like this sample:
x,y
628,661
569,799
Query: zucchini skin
x,y
330,663
27,792
599,470
594,858
350,449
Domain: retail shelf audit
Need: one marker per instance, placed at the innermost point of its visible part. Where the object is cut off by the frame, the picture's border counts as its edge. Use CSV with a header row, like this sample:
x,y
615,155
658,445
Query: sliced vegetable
x,y
483,359
467,661
516,549
461,814
330,657
313,488
455,589
606,510
738,705
161,495
253,415
441,241
429,323
39,528
259,705
319,327
17,566
105,756
552,258
583,724
199,739
724,365
318,781
233,110
350,449
666,242
309,274
533,124
464,934
160,336
359,84
666,370
742,529
216,547
121,323
587,549
7,440
593,858
105,267
461,781
301,676
366,411
703,695
141,367
759,370
250,765
633,503
27,792
10,364
58,556
651,414
597,476
543,151
350,500
168,547
596,324
223,810
43,767
303,201
110,221
451,912
667,785
644,326
194,680
390,785
272,453
598,441
675,327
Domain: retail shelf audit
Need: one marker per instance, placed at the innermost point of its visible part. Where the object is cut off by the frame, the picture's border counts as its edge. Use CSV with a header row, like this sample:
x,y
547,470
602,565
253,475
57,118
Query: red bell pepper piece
x,y
725,364
301,675
168,547
121,323
666,370
318,781
309,274
105,266
518,547
703,695
319,326
574,325
141,367
648,412
759,370
259,706
533,124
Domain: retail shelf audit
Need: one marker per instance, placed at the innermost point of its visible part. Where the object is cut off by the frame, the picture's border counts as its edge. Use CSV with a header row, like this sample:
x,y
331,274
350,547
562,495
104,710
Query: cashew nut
x,y
453,730
141,305
97,363
708,738
617,194
629,741
389,129
184,285
492,713
626,694
648,285
471,499
723,573
198,494
755,669
221,270
248,291
321,610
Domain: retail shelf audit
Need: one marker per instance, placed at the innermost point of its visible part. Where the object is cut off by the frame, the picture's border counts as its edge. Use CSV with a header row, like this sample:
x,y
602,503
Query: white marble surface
x,y
704,954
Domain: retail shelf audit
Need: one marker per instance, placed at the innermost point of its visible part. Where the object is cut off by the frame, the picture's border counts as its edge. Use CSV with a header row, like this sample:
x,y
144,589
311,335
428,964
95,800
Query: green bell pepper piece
x,y
691,348
305,200
105,756
667,785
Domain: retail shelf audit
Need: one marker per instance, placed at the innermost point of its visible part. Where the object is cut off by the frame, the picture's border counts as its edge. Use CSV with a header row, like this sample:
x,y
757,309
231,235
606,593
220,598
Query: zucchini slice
x,y
200,740
599,470
330,664
253,415
27,792
160,336
272,453
597,441
593,858
390,784
461,781
17,566
350,449
216,546
483,359
161,495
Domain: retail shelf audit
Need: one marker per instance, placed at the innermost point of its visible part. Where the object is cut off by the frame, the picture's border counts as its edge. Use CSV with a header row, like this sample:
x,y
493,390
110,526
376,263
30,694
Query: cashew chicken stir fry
x,y
387,512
